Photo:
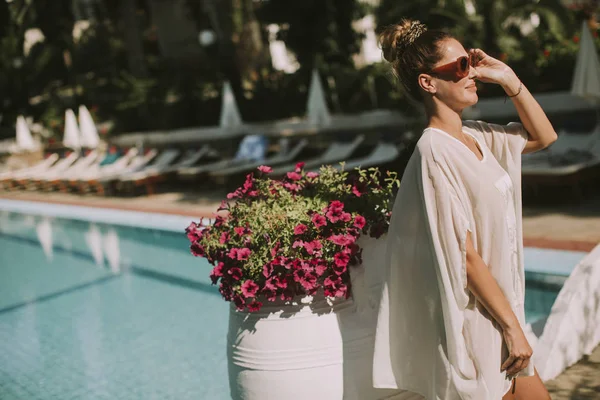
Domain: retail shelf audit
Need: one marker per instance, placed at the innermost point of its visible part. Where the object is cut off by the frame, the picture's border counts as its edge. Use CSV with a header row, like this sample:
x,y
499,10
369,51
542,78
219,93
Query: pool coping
x,y
174,220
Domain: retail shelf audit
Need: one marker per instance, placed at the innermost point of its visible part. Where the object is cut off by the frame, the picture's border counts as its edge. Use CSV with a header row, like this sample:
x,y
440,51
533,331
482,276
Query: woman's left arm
x,y
534,119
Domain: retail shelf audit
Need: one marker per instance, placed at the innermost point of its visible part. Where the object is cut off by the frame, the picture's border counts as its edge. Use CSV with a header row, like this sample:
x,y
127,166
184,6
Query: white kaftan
x,y
433,337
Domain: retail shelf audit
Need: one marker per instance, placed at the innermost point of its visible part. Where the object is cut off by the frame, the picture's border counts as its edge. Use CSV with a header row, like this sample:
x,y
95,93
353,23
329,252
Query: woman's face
x,y
458,93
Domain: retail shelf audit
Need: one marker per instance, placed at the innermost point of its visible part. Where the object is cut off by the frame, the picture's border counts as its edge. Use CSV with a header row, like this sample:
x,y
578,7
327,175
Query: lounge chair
x,y
105,184
251,148
26,179
46,163
382,153
109,164
51,181
571,167
149,177
337,151
283,157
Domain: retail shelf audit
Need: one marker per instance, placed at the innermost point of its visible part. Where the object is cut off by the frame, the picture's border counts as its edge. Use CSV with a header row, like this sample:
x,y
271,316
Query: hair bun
x,y
396,38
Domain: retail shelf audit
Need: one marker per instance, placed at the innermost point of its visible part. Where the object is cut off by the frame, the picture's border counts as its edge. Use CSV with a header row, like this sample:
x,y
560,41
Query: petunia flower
x,y
318,220
359,221
341,240
341,259
249,288
294,176
224,238
300,229
254,306
265,169
299,166
236,273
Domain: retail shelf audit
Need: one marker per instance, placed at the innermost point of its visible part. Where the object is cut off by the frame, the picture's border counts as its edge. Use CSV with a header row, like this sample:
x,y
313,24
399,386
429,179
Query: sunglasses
x,y
460,67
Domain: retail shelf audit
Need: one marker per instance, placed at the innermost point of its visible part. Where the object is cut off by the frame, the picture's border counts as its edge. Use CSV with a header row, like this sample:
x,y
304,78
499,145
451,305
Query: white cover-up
x,y
433,337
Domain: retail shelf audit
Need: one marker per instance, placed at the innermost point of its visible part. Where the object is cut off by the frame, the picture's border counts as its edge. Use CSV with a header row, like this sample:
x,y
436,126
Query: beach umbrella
x,y
87,128
71,137
586,78
24,139
316,106
230,115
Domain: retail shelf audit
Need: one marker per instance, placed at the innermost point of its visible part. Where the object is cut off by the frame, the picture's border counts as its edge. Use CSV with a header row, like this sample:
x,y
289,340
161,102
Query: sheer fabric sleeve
x,y
448,225
506,142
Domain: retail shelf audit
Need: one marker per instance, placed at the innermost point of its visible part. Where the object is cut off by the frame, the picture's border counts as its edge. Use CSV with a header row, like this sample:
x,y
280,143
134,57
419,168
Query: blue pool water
x,y
97,311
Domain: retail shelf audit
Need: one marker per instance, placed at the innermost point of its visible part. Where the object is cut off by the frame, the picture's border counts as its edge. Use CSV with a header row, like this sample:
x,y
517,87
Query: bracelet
x,y
514,95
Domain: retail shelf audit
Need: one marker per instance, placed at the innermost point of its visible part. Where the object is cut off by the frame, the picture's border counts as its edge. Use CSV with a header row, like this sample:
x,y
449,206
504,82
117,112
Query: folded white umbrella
x,y
71,137
87,128
586,78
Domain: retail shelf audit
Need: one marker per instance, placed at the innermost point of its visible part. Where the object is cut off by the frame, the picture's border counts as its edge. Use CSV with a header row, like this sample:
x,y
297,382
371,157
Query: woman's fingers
x,y
509,361
516,367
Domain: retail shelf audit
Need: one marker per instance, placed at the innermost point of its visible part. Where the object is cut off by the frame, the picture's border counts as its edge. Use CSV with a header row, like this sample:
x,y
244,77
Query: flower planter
x,y
314,348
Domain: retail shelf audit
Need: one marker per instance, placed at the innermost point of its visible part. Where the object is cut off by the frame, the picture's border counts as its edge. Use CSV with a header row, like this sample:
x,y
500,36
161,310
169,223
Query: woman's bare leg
x,y
528,388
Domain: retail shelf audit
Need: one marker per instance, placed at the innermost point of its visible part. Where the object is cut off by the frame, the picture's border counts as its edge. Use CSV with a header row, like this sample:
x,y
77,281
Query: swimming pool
x,y
99,311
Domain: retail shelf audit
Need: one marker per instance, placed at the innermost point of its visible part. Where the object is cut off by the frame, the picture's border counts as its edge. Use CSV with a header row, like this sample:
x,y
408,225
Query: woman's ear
x,y
427,83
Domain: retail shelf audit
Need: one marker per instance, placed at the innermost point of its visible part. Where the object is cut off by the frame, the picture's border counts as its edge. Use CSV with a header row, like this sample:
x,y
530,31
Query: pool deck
x,y
565,227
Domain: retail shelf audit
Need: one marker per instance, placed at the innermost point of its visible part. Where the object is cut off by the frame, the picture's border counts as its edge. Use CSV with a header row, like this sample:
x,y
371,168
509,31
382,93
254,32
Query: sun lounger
x,y
251,148
106,166
283,157
382,153
149,177
46,163
60,165
336,152
571,167
52,180
104,184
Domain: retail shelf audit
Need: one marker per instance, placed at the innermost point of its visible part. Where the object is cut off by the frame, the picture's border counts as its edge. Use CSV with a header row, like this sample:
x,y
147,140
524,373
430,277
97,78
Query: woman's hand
x,y
519,351
491,70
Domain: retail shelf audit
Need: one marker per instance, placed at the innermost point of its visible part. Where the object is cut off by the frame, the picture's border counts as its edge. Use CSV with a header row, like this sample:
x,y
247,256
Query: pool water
x,y
97,311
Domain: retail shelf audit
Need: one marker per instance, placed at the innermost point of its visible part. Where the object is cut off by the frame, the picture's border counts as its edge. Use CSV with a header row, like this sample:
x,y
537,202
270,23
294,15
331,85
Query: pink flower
x,y
312,175
313,246
223,206
197,250
318,220
225,291
334,287
219,220
341,240
236,273
359,221
240,303
239,254
341,259
193,231
345,217
249,288
243,254
253,193
275,249
265,170
299,166
267,270
292,187
216,273
300,229
294,176
359,188
306,279
335,210
224,238
280,282
240,230
233,195
320,267
254,306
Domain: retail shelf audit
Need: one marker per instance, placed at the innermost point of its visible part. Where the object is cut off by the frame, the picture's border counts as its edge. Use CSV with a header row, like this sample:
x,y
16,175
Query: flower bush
x,y
294,236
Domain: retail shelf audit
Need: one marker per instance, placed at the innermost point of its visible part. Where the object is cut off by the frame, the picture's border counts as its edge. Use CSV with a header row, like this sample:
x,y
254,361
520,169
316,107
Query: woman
x,y
451,316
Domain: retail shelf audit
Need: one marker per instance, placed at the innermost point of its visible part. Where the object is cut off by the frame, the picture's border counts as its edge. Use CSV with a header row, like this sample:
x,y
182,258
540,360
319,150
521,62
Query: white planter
x,y
317,348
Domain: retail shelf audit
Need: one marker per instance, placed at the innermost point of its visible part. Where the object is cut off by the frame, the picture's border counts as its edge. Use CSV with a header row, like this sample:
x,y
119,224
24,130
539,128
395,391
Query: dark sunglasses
x,y
460,67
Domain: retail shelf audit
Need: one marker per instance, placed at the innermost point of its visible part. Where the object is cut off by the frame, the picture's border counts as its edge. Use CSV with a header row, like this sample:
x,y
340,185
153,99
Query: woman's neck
x,y
447,120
